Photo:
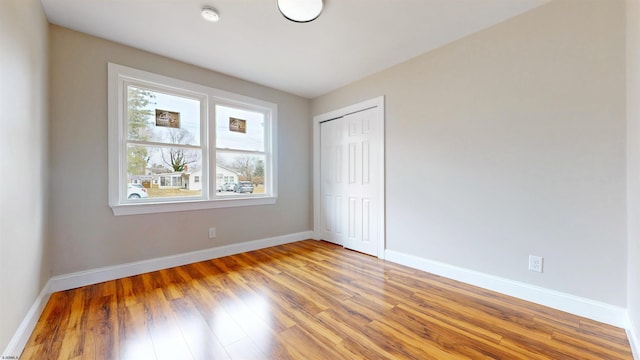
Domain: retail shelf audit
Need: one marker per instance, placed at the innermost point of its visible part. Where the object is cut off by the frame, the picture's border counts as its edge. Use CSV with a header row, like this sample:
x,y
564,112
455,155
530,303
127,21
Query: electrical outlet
x,y
535,263
212,233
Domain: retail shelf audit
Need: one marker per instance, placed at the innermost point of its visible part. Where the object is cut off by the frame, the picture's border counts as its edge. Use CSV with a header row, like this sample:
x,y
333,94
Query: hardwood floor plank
x,y
198,336
289,297
604,332
172,287
354,343
50,319
274,313
56,346
306,346
502,320
263,260
34,351
402,346
220,322
591,345
455,339
125,293
308,300
166,335
70,346
245,349
135,341
468,330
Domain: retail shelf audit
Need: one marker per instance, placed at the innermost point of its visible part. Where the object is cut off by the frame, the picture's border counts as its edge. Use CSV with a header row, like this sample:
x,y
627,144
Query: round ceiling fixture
x,y
300,10
210,14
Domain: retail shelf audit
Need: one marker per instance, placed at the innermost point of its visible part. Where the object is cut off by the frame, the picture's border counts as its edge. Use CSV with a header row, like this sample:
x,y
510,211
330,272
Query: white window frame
x,y
118,78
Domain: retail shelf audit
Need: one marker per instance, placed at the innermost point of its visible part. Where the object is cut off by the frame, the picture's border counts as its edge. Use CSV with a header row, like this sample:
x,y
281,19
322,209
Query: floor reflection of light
x,y
169,342
247,319
250,316
255,306
202,342
137,349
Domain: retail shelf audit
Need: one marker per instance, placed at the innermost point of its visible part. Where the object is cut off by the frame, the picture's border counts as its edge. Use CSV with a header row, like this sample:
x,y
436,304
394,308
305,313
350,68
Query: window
x,y
240,146
188,144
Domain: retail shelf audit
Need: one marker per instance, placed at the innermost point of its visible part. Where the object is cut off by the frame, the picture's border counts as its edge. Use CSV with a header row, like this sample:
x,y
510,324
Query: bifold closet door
x,y
350,157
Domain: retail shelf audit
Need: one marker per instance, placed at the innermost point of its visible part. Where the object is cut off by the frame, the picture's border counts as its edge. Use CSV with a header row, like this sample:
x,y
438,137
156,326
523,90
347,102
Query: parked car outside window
x,y
136,191
244,187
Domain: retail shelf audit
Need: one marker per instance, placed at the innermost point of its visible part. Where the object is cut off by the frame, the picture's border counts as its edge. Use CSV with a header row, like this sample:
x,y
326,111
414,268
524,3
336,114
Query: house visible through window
x,y
164,144
187,144
240,146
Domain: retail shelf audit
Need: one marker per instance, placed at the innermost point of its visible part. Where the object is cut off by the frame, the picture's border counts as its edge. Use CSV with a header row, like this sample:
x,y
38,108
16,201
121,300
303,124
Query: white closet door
x,y
350,161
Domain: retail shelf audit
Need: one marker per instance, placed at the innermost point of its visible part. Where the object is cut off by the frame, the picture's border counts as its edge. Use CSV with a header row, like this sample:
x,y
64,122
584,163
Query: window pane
x,y
239,129
240,174
163,172
158,117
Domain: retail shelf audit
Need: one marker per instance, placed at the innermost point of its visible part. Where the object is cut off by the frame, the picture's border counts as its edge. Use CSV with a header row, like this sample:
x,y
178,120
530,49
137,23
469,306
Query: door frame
x,y
378,104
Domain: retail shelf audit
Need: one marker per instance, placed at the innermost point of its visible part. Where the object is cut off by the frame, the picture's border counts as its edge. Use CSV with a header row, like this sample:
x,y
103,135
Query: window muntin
x,y
184,143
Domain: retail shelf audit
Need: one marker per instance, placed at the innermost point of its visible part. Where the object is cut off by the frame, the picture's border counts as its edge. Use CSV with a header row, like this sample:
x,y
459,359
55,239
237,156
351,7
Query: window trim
x,y
118,78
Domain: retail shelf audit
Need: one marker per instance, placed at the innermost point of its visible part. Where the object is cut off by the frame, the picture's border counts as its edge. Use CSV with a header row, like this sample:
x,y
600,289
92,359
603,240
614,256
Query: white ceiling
x,y
350,40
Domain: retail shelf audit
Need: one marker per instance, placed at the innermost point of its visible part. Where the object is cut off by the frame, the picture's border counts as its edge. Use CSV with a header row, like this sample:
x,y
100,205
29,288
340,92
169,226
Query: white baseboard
x,y
634,338
83,278
21,336
591,309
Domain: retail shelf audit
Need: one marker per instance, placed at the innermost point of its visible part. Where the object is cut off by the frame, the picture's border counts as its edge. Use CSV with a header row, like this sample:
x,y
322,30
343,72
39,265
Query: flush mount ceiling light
x,y
210,14
300,10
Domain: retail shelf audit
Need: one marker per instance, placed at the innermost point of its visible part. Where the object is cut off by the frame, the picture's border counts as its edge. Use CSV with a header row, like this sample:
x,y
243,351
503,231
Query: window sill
x,y
154,208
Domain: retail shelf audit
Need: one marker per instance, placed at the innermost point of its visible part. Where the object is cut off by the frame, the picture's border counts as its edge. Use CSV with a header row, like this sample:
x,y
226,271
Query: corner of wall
x,y
633,174
634,339
26,264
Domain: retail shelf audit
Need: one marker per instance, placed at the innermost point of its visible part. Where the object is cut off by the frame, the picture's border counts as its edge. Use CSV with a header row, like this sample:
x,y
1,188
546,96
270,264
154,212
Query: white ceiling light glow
x,y
300,10
210,14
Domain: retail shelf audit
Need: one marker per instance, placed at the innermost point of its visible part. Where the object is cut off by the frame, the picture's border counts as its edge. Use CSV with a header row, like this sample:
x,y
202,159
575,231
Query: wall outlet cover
x,y
535,263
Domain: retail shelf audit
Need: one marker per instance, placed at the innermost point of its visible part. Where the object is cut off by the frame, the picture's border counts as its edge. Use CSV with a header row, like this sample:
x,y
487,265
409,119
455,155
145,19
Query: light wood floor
x,y
307,300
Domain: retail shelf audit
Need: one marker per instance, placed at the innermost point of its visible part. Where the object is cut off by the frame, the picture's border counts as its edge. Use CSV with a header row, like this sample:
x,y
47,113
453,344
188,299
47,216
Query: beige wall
x,y
633,163
84,231
24,260
512,142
